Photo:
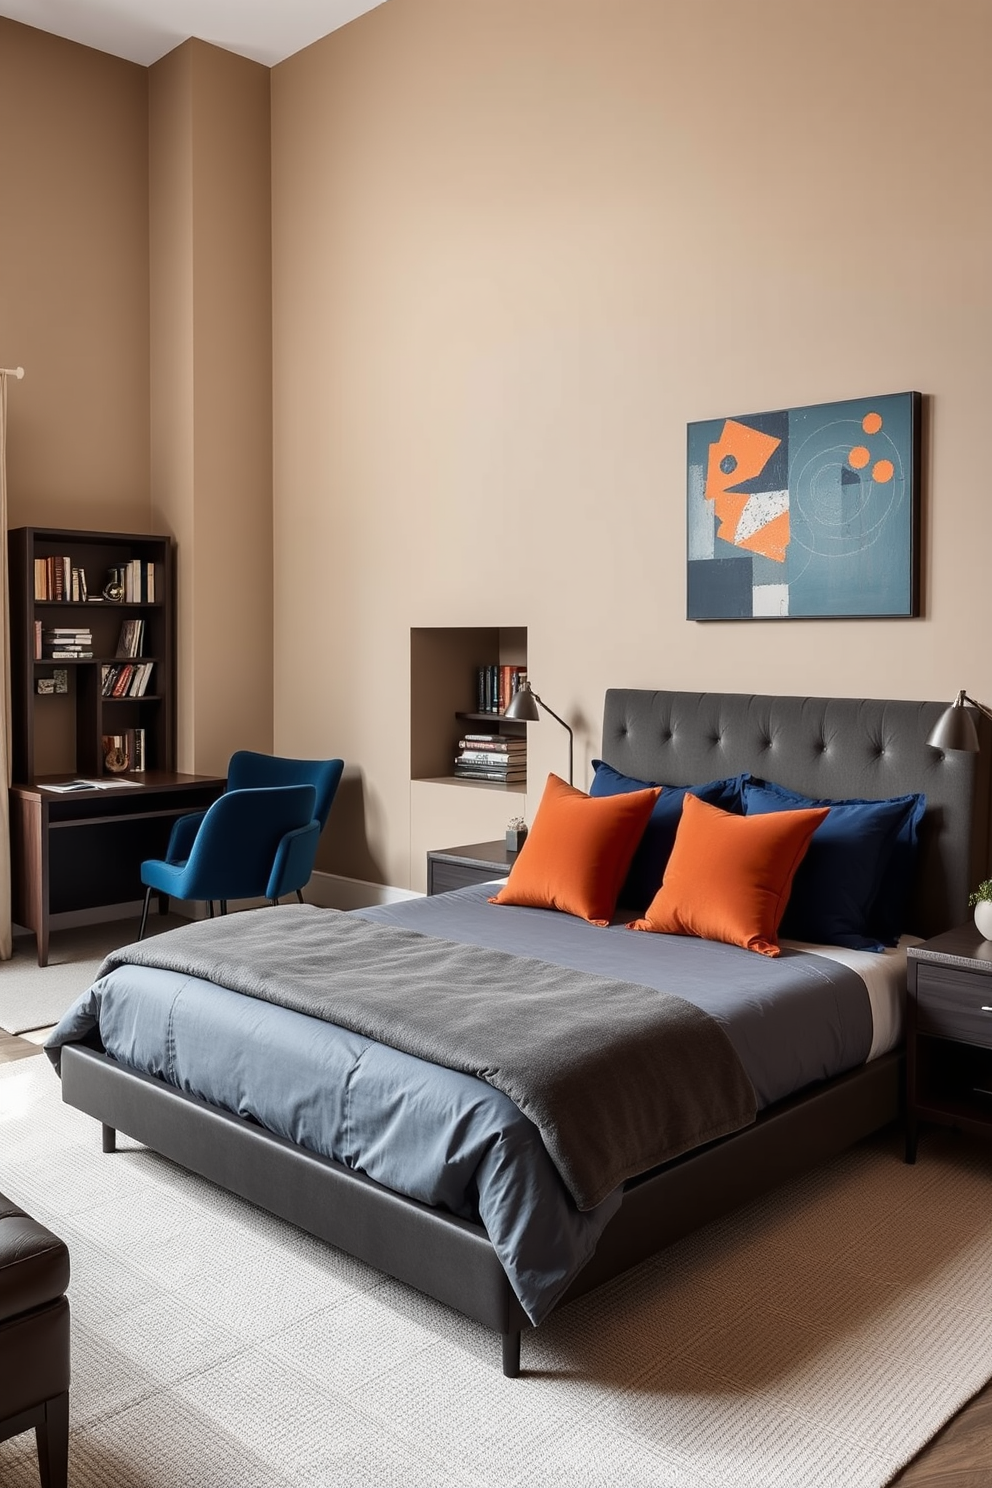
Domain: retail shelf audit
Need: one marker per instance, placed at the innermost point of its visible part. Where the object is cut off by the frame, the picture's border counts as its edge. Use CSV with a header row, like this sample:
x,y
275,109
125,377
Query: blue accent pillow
x,y
853,887
648,866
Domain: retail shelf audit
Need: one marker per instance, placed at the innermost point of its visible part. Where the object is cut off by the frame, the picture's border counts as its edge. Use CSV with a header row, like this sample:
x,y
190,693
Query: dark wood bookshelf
x,y
73,854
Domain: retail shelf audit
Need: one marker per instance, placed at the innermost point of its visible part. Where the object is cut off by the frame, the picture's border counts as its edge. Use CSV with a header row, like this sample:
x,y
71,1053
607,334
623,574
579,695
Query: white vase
x,y
983,918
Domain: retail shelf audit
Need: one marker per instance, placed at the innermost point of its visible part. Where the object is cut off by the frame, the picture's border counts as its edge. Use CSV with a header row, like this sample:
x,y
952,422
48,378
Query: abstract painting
x,y
806,512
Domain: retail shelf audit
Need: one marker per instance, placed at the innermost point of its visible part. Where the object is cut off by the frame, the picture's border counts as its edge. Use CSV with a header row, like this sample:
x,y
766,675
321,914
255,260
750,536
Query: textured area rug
x,y
815,1339
33,996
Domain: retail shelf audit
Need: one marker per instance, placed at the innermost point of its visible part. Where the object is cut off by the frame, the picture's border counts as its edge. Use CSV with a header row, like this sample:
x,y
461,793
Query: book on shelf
x,y
502,777
69,655
132,638
494,743
490,757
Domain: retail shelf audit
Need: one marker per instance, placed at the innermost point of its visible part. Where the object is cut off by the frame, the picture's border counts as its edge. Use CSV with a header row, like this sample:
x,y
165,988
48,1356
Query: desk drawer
x,y
954,1005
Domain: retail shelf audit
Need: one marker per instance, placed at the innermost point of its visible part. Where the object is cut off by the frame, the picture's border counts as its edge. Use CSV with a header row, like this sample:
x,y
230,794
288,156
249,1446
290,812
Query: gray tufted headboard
x,y
824,747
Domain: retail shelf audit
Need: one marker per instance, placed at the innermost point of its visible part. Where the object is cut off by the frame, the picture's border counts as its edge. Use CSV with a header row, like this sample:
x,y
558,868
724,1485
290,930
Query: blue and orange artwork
x,y
805,512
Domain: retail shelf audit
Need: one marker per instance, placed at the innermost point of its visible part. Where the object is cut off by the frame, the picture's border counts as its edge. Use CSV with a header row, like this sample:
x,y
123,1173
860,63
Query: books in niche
x,y
495,686
492,756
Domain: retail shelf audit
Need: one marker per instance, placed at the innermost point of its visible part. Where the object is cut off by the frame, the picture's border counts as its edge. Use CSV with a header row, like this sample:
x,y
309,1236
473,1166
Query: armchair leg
x,y
223,906
299,895
52,1438
210,909
144,914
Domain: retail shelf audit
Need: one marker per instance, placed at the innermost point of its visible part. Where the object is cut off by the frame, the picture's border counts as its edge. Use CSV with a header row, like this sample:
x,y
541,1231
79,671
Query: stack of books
x,y
496,757
63,643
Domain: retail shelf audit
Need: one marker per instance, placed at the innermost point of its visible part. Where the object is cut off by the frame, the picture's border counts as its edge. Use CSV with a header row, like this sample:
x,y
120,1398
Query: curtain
x,y
5,931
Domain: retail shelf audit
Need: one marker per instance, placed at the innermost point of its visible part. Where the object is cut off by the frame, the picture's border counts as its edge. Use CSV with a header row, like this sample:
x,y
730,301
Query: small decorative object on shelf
x,y
115,756
45,686
114,587
516,831
981,902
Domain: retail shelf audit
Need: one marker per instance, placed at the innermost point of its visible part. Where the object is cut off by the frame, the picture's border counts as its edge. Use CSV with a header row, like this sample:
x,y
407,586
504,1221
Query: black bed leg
x,y
511,1354
144,914
109,1138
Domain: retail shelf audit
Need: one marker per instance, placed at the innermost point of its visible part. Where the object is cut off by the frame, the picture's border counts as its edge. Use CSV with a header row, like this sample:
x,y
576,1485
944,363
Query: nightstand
x,y
949,1034
455,867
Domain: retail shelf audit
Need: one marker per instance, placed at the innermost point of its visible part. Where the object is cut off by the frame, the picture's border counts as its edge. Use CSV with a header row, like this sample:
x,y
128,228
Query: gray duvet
x,y
616,1077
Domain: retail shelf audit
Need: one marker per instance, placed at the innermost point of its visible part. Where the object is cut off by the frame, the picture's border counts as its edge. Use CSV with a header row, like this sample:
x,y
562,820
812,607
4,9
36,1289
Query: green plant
x,y
984,891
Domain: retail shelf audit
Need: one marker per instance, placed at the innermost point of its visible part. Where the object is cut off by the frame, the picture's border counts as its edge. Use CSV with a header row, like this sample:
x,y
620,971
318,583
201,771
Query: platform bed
x,y
830,748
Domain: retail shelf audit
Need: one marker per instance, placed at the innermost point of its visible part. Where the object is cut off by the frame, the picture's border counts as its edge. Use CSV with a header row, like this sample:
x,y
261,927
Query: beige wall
x,y
517,247
74,282
211,389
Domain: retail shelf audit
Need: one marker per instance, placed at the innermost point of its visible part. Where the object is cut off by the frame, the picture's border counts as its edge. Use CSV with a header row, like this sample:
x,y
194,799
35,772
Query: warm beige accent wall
x,y
517,247
74,282
211,357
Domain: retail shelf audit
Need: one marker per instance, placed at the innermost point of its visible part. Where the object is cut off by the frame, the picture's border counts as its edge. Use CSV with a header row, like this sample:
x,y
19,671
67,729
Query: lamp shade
x,y
955,728
523,705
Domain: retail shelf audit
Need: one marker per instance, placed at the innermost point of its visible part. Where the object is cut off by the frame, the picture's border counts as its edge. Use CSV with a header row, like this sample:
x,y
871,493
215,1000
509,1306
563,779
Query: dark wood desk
x,y
83,850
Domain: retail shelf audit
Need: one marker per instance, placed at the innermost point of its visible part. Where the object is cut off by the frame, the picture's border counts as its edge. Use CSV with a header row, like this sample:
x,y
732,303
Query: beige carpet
x,y
817,1338
33,996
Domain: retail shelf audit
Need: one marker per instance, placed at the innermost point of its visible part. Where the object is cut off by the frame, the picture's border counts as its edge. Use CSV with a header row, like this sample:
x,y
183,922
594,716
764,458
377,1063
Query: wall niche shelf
x,y
444,663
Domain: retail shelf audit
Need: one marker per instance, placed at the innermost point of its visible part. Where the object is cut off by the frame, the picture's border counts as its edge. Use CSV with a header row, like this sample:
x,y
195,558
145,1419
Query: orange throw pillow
x,y
727,881
576,855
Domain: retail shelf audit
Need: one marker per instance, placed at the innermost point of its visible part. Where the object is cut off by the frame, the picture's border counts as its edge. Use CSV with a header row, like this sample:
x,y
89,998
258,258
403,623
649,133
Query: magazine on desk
x,y
65,786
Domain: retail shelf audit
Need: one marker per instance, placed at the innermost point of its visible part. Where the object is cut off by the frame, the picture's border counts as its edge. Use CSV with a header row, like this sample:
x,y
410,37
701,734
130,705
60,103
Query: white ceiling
x,y
144,30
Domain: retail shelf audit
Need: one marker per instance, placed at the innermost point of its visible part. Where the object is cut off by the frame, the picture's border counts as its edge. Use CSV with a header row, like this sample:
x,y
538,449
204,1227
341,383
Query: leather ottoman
x,y
34,1339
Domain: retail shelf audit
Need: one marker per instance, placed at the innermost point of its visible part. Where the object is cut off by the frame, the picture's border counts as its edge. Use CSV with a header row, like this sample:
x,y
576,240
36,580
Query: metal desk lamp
x,y
524,705
955,728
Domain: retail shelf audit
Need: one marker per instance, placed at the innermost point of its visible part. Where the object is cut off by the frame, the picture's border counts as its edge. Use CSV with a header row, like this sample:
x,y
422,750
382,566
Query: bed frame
x,y
824,747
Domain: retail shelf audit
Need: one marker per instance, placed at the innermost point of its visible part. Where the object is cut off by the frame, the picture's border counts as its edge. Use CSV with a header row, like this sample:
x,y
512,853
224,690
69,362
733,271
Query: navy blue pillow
x,y
648,866
853,887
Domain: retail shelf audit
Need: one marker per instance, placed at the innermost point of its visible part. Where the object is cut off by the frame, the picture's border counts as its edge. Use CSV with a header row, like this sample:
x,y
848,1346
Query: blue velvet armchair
x,y
290,864
249,844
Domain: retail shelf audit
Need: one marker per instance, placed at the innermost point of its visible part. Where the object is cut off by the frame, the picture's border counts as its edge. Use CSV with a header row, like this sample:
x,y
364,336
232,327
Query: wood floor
x,y
959,1457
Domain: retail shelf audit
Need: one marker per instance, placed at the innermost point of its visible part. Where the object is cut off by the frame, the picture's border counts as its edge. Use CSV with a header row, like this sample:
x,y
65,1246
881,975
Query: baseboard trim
x,y
330,891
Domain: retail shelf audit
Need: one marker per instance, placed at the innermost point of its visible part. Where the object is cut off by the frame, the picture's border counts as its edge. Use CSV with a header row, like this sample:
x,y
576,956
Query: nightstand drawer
x,y
447,876
954,1005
